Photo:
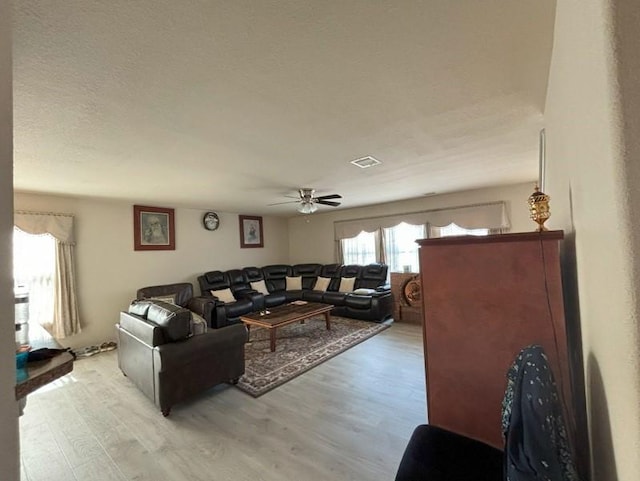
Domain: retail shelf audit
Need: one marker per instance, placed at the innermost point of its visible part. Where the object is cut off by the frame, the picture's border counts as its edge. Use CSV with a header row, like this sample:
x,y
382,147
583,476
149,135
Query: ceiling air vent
x,y
366,162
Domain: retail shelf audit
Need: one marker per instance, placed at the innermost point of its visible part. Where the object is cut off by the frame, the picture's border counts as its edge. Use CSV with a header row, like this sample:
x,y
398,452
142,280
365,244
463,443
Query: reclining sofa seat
x,y
255,274
374,304
158,352
226,313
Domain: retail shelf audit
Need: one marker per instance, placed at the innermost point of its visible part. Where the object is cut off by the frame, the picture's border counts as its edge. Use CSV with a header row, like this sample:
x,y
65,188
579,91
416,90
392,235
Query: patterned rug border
x,y
327,352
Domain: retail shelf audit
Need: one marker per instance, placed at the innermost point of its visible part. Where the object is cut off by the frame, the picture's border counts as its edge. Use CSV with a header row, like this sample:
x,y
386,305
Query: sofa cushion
x,y
322,284
352,270
364,292
169,299
275,299
175,321
309,273
335,298
253,274
358,302
313,296
181,292
139,308
238,308
274,275
347,284
225,295
294,283
260,286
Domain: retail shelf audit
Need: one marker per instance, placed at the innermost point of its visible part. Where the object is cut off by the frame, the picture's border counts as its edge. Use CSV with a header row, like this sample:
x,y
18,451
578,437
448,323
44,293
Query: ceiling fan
x,y
308,202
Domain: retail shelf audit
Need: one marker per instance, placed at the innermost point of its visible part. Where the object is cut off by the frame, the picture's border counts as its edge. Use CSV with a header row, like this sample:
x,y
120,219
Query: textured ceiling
x,y
231,105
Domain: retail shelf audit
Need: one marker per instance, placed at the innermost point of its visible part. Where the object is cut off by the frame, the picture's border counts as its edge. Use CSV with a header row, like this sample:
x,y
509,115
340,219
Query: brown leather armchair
x,y
159,353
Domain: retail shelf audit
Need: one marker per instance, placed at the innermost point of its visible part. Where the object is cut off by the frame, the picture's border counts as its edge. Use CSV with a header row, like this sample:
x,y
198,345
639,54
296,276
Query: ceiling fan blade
x,y
330,196
287,202
328,202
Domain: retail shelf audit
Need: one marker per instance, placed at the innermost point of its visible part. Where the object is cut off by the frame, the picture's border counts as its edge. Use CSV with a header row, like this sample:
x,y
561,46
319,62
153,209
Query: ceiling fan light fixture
x,y
307,208
366,162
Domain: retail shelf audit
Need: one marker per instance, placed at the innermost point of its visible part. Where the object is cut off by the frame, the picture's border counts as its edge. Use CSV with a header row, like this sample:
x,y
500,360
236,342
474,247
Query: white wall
x,y
109,271
8,406
311,237
592,178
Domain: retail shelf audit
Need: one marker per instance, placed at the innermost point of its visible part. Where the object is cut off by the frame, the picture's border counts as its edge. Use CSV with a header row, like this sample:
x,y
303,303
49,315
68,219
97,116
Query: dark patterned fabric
x,y
536,446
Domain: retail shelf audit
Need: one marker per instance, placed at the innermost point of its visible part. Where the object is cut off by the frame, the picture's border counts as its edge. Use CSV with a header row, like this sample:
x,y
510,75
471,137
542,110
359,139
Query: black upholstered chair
x,y
535,436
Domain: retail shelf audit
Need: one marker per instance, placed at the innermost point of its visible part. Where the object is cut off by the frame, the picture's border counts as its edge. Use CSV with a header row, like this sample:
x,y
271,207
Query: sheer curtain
x,y
34,265
400,246
455,230
66,320
360,249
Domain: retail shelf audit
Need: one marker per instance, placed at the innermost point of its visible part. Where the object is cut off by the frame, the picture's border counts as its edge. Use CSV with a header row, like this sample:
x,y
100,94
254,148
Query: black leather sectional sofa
x,y
368,299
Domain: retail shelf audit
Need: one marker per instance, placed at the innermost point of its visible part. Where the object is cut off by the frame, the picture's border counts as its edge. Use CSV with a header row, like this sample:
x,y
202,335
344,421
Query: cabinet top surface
x,y
514,237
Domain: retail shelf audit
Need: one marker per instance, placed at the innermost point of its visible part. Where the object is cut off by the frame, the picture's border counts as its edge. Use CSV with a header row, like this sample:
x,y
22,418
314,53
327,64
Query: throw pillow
x,y
198,324
225,295
322,284
169,299
363,292
347,284
294,283
259,286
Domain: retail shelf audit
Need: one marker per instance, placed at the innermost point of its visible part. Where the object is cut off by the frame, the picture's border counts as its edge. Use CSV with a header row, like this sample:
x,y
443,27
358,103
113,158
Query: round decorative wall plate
x,y
413,291
211,221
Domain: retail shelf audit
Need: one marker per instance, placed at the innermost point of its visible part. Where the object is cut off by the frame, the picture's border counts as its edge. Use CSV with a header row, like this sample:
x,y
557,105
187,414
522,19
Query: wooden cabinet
x,y
484,299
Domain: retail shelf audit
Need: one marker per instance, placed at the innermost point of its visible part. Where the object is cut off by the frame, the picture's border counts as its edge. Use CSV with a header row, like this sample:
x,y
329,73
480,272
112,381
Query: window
x,y
453,230
34,268
360,249
400,247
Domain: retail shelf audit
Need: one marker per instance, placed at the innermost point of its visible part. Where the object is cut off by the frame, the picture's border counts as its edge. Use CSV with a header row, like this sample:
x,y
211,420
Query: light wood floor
x,y
347,419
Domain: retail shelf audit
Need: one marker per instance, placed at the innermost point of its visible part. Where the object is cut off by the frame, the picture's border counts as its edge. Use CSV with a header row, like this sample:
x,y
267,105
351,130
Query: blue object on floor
x,y
21,359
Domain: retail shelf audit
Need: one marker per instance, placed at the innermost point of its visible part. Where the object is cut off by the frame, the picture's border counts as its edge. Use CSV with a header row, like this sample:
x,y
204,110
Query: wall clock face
x,y
211,221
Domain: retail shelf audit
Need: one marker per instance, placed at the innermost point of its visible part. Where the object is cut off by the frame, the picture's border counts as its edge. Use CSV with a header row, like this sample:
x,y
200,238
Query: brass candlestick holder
x,y
539,208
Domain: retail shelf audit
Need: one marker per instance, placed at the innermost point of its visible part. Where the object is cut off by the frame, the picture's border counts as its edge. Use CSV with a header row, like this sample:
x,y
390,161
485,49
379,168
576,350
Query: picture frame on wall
x,y
251,234
153,228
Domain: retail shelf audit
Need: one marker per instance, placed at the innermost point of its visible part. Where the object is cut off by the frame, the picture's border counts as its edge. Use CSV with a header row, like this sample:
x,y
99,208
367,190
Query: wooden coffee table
x,y
286,314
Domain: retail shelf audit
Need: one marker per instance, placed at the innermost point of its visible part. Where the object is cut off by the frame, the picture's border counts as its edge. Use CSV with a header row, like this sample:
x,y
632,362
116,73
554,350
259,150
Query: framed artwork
x,y
153,229
251,231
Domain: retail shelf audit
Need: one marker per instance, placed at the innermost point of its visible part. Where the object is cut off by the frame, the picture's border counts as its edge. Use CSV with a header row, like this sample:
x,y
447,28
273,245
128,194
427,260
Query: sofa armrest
x,y
384,288
203,306
245,293
383,293
144,331
198,348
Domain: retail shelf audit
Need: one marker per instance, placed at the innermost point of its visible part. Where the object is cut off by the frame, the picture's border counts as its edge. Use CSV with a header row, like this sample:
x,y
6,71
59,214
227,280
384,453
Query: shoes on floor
x,y
86,351
91,350
108,346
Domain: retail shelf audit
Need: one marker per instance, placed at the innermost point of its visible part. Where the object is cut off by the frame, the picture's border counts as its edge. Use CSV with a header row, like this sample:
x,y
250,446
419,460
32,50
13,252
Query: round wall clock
x,y
211,221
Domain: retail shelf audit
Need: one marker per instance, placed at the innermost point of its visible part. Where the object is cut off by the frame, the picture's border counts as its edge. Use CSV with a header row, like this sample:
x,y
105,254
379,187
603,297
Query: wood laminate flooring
x,y
348,419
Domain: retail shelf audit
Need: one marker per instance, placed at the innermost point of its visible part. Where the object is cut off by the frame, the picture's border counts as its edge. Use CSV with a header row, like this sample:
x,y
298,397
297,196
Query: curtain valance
x,y
59,226
491,215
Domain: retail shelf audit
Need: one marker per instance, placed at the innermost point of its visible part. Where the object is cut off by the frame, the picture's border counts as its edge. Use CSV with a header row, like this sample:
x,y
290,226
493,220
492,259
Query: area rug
x,y
299,347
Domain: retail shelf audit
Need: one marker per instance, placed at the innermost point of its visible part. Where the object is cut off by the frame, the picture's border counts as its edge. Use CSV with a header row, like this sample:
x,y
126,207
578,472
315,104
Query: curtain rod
x,y
423,211
26,212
